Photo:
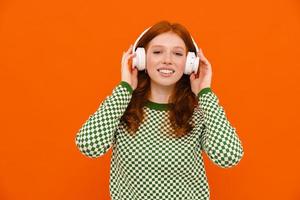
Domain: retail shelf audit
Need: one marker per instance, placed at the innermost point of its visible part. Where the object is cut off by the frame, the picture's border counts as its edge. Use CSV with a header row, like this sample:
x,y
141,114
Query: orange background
x,y
60,59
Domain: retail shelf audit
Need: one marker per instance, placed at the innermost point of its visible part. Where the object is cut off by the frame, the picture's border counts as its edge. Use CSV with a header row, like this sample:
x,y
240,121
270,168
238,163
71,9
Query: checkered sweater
x,y
152,165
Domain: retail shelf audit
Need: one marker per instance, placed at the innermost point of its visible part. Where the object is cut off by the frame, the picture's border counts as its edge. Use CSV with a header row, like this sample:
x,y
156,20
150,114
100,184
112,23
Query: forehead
x,y
167,39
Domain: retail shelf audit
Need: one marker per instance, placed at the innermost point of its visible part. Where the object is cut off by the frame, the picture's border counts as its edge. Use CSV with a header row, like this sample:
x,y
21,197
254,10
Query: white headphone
x,y
191,65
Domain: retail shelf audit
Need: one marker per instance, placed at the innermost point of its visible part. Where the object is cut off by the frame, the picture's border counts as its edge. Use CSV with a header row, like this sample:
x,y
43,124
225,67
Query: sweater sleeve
x,y
218,138
96,135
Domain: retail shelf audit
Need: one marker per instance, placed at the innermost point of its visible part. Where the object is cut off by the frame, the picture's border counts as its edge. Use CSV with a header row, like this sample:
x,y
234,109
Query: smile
x,y
166,71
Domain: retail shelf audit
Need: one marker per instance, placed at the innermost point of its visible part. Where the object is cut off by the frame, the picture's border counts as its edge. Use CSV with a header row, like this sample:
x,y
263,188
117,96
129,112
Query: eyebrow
x,y
164,46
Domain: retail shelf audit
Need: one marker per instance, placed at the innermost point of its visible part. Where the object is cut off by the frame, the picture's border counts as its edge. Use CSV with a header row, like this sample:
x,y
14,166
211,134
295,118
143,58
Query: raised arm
x,y
218,138
96,136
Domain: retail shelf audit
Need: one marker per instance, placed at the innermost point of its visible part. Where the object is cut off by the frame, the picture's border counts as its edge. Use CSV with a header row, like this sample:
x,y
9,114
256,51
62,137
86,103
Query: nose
x,y
167,59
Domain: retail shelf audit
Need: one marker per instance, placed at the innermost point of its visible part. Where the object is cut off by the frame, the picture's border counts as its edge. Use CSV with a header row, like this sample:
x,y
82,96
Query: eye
x,y
156,52
179,54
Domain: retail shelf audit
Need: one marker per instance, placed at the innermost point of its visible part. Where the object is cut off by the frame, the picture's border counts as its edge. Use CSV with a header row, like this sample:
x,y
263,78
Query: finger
x,y
192,77
201,51
123,57
127,57
200,54
129,49
203,58
134,71
130,56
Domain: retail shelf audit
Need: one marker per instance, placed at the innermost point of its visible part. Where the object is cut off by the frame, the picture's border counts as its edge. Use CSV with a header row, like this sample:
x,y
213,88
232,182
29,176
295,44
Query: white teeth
x,y
166,71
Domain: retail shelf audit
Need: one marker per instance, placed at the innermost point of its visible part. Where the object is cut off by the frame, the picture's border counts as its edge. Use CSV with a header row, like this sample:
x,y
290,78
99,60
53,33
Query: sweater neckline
x,y
158,106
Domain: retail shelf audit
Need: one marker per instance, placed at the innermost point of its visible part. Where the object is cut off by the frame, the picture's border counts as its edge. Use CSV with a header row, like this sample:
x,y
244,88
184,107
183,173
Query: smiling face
x,y
165,59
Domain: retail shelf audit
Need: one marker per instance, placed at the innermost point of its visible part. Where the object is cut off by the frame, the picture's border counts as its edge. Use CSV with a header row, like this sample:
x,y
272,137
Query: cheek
x,y
181,63
151,61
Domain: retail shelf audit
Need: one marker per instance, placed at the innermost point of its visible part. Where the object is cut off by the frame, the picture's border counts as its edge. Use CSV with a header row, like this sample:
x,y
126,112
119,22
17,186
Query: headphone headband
x,y
137,40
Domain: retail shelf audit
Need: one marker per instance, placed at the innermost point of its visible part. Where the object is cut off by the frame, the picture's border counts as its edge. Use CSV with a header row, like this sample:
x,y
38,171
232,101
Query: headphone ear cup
x,y
196,65
139,60
189,64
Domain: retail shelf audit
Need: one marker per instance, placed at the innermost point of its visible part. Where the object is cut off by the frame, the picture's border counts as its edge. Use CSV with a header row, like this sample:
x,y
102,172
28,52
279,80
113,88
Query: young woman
x,y
158,122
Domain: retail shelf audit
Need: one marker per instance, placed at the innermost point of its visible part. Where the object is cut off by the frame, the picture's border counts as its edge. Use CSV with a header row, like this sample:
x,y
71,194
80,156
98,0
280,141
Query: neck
x,y
160,94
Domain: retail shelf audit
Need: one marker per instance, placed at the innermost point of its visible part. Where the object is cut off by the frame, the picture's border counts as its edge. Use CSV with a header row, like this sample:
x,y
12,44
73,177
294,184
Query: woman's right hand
x,y
128,73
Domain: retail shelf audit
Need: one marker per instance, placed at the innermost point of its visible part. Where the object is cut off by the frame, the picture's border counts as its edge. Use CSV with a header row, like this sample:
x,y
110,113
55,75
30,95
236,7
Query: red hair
x,y
182,100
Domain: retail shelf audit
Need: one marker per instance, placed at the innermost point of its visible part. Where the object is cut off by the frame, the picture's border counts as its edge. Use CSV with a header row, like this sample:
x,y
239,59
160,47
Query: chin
x,y
165,82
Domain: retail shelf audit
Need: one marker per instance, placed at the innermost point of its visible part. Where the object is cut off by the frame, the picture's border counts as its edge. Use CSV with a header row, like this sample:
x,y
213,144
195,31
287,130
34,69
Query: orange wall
x,y
59,60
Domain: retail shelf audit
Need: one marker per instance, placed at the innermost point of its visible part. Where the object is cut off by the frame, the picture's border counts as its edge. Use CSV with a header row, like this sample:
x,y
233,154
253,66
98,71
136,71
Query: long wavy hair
x,y
182,101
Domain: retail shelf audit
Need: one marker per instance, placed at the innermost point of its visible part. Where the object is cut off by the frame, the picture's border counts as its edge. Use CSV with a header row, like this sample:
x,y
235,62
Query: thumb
x,y
135,71
192,76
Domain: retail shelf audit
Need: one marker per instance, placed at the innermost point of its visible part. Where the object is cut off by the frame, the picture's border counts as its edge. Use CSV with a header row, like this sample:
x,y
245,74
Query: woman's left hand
x,y
204,75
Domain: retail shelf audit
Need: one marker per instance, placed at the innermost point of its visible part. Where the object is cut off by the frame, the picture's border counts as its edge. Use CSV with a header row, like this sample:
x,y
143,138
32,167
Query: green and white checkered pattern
x,y
153,165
